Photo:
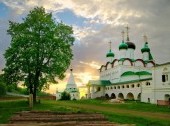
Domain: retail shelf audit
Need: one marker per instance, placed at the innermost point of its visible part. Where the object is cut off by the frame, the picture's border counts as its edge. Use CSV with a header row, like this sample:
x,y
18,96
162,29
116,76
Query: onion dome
x,y
145,48
131,45
110,54
123,45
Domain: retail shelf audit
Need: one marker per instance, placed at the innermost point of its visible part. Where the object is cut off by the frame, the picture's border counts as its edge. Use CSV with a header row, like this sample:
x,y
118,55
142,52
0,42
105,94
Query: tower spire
x,y
110,44
145,38
123,34
71,68
127,30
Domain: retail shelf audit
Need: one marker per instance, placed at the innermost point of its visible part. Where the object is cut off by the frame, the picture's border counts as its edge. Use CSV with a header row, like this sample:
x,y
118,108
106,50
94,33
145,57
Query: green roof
x,y
150,56
110,54
132,81
145,48
128,73
140,73
143,73
99,82
123,45
108,83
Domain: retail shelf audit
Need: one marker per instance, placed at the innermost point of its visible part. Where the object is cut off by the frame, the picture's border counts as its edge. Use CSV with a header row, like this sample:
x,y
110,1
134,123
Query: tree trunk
x,y
34,94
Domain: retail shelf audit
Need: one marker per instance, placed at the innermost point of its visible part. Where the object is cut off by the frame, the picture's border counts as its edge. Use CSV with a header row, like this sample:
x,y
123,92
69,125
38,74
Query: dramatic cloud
x,y
95,23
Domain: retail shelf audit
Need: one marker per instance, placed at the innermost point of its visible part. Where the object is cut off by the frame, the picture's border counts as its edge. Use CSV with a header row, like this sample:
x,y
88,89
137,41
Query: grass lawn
x,y
140,114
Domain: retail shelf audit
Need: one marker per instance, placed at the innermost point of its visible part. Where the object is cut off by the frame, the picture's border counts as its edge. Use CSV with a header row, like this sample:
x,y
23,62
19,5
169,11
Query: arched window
x,y
165,75
148,83
132,86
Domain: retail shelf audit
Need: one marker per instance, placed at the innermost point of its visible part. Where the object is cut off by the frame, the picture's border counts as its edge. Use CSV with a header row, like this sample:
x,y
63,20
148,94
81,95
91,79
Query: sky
x,y
95,23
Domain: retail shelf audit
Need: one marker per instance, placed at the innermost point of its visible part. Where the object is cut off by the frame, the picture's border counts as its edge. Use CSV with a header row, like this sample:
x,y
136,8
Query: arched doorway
x,y
130,96
120,95
139,97
167,97
113,96
106,96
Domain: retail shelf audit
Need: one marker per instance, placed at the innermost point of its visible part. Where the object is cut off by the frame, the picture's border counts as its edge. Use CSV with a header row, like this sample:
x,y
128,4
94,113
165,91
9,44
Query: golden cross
x,y
110,44
145,38
123,33
127,29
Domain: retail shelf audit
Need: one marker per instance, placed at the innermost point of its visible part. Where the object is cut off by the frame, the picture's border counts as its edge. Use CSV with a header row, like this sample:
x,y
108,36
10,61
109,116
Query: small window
x,y
118,87
123,86
163,78
111,88
98,89
114,87
127,86
148,83
138,85
132,85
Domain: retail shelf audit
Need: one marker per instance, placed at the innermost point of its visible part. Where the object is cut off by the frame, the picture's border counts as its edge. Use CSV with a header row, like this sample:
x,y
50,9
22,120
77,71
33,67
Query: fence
x,y
163,103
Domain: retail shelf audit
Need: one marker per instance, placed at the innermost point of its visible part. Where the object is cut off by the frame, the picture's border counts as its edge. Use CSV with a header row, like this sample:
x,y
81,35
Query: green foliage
x,y
2,89
65,96
2,86
40,51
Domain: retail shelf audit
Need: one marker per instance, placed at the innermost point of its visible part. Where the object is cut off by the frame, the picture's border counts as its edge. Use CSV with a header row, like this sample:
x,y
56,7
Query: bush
x,y
65,96
2,89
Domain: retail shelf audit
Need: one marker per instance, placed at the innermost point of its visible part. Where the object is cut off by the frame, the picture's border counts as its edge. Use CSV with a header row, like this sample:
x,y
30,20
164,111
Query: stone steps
x,y
48,118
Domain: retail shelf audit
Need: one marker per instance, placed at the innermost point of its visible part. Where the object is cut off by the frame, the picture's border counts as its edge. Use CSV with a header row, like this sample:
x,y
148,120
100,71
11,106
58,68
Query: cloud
x,y
93,64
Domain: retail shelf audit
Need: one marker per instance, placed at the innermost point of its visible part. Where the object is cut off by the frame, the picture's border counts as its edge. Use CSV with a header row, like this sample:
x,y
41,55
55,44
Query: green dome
x,y
123,46
145,48
110,54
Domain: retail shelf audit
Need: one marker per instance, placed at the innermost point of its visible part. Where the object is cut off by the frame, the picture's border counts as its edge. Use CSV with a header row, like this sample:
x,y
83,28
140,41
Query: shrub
x,y
2,89
65,96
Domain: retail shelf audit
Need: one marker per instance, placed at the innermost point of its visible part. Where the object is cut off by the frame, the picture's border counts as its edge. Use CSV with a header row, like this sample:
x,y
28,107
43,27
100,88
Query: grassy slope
x,y
120,113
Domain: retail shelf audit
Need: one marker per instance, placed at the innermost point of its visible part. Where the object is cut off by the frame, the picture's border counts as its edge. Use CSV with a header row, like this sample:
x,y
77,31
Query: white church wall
x,y
128,78
145,56
127,63
122,53
139,64
130,53
149,65
157,76
133,88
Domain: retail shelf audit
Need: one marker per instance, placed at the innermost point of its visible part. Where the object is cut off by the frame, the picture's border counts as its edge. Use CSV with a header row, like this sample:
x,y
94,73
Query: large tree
x,y
40,51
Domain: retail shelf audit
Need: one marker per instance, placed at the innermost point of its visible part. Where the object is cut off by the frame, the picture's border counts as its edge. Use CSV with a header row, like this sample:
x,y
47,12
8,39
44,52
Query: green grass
x,y
128,105
7,108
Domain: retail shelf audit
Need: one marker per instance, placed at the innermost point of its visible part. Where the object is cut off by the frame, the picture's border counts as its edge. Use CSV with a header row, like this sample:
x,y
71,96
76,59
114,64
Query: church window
x,y
132,85
148,83
163,78
138,85
98,89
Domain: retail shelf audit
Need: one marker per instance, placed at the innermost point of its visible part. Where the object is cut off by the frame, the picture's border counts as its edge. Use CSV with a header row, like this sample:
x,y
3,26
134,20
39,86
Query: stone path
x,y
48,118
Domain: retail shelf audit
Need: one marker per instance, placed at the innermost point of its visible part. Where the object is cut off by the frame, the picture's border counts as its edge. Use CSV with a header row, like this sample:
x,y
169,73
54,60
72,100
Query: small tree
x,y
2,86
65,96
40,51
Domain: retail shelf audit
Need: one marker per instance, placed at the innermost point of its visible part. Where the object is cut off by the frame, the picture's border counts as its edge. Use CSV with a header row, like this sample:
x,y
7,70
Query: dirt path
x,y
151,115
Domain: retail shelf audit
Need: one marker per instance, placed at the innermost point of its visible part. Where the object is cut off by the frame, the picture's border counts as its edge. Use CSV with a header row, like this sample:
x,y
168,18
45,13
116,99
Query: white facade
x,y
129,78
71,88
